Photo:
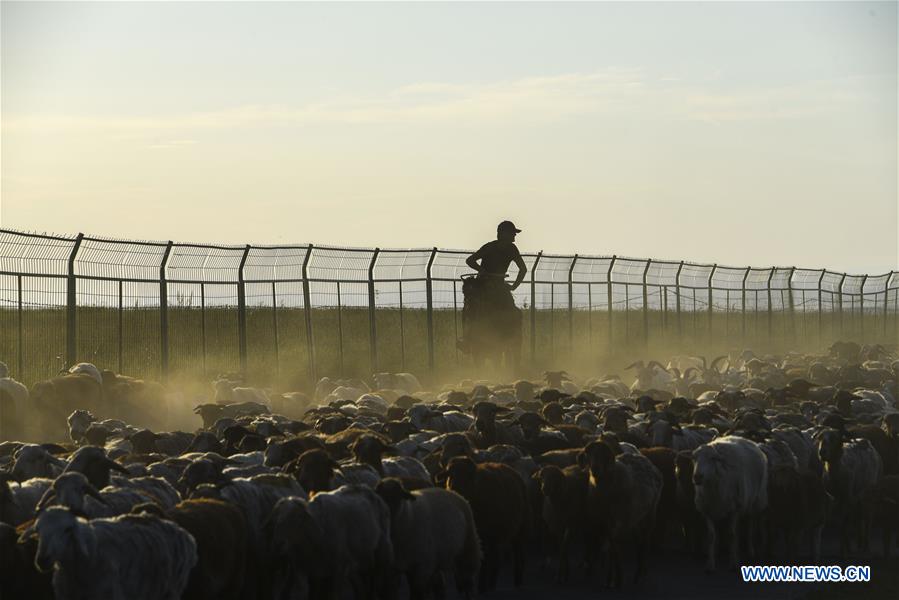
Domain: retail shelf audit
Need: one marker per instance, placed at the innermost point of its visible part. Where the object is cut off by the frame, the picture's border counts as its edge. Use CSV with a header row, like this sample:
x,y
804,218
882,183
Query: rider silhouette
x,y
493,321
496,256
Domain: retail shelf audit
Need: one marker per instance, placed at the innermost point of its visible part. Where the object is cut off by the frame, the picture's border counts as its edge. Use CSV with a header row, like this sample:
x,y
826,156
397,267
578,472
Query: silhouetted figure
x,y
491,321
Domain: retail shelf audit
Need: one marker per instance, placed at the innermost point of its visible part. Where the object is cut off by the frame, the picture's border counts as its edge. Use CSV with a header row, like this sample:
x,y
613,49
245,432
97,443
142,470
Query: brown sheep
x,y
563,507
663,459
622,497
220,531
797,504
53,400
498,499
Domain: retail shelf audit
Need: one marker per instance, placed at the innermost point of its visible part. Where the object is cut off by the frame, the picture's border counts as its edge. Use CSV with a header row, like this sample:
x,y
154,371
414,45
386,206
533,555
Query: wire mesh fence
x,y
297,312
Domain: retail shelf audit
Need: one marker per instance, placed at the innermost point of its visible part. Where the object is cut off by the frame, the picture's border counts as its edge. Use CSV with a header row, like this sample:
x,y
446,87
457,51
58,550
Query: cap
x,y
507,226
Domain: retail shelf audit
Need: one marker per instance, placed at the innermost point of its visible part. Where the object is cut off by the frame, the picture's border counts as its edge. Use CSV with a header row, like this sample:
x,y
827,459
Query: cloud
x,y
611,93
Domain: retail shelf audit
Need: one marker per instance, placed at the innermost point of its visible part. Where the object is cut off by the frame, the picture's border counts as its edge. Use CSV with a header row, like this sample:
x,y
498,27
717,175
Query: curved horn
x,y
690,373
658,364
715,362
638,363
705,365
676,372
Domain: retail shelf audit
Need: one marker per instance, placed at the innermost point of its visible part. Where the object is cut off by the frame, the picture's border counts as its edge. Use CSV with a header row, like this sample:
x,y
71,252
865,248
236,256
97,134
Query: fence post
x,y
275,327
534,307
307,314
20,367
840,300
820,308
609,295
791,305
242,313
121,329
164,313
571,304
743,302
340,329
770,313
646,303
861,309
203,324
886,298
680,328
372,330
71,303
711,299
429,293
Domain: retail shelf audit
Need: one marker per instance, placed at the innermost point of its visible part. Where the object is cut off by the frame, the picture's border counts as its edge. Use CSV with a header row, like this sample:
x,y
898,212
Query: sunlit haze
x,y
736,133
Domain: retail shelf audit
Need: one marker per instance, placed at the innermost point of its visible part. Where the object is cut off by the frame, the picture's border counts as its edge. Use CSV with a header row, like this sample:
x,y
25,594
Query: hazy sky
x,y
737,133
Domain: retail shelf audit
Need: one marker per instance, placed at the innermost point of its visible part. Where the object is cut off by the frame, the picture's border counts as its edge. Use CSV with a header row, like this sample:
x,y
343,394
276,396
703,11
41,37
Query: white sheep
x,y
731,482
227,393
851,470
124,558
18,395
33,461
87,369
663,433
18,501
433,533
73,491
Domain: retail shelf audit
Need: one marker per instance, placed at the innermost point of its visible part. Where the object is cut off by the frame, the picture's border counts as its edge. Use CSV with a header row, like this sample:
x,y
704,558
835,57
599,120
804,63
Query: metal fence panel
x,y
291,313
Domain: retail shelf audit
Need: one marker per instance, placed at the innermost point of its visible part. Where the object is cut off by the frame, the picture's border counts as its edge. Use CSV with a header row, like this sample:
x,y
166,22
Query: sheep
x,y
95,465
650,376
664,433
368,450
406,382
730,478
73,491
33,461
54,399
14,406
498,500
622,496
220,531
123,558
227,393
18,501
335,536
797,503
210,413
87,369
564,493
433,532
851,470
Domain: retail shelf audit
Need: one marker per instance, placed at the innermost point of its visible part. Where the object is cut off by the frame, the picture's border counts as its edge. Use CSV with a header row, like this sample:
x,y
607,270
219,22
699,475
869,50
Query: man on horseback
x,y
491,321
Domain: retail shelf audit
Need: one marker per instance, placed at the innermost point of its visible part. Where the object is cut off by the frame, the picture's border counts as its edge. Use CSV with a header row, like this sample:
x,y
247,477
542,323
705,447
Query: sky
x,y
740,133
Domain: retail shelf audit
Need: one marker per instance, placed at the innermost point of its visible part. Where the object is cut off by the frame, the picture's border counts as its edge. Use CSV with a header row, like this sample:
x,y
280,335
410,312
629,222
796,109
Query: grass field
x,y
205,343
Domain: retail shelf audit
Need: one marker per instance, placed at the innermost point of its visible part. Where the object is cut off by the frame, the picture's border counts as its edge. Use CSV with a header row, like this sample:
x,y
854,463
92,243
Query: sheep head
x,y
551,480
314,470
461,473
62,538
598,458
391,490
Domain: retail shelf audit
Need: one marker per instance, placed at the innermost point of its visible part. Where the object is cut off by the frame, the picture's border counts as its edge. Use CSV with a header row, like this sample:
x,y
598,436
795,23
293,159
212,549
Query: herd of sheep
x,y
384,489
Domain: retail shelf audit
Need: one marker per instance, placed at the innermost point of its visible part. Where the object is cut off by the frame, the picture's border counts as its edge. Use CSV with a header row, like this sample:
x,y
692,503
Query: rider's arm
x,y
522,269
472,261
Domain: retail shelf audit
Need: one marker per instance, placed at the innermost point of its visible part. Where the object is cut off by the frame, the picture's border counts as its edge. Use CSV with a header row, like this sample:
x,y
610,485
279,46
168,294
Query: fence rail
x,y
149,307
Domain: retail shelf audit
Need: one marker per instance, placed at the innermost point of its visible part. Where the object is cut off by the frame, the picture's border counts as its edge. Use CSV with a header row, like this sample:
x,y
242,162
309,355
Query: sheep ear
x,y
440,477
